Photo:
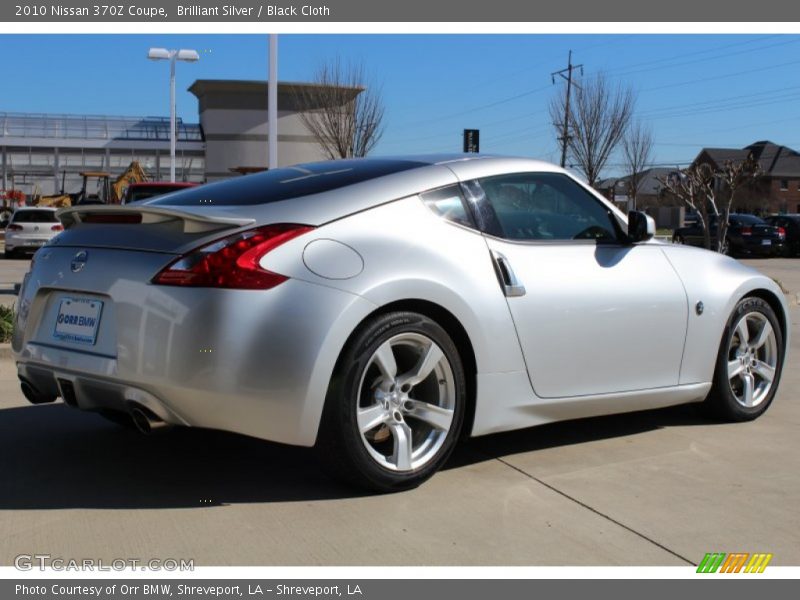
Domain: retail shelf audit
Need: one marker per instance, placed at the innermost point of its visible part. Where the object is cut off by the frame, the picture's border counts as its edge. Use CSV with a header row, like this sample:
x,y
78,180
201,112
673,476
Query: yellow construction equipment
x,y
105,192
133,174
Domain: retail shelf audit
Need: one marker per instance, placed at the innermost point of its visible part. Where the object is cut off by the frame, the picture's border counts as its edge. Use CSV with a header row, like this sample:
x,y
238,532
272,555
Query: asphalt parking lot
x,y
653,488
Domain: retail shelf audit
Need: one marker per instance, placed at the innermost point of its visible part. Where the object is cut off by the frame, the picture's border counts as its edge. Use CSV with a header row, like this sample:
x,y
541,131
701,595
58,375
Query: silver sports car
x,y
383,308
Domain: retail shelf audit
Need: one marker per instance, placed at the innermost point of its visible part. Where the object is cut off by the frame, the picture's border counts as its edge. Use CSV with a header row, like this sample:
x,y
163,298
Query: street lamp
x,y
172,56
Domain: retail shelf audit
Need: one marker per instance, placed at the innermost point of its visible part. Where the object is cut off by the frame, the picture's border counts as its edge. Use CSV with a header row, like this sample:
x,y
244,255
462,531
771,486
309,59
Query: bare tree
x,y
341,111
710,191
734,176
598,118
637,149
694,186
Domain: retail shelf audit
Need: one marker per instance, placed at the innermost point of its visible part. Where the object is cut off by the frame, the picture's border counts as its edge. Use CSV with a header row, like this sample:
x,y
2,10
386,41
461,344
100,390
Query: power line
x,y
717,101
718,77
621,71
670,64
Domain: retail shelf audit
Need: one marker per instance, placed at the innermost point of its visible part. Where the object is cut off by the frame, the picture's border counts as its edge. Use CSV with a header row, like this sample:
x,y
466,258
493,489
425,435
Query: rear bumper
x,y
252,362
26,242
757,248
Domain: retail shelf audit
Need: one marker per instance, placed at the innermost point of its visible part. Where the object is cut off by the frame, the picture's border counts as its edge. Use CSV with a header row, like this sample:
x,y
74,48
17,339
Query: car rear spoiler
x,y
192,222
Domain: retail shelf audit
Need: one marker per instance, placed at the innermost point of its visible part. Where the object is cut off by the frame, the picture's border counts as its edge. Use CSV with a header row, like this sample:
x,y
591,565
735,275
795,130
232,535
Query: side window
x,y
547,206
447,203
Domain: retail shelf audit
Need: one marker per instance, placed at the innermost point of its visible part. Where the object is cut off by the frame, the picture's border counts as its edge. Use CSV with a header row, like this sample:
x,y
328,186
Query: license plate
x,y
766,242
77,320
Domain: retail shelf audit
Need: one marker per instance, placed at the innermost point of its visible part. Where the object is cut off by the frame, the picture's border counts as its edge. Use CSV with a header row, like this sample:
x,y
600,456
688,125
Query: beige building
x,y
233,118
42,154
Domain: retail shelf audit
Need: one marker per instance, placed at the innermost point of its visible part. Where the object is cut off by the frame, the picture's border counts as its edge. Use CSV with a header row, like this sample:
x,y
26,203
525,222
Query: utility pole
x,y
568,77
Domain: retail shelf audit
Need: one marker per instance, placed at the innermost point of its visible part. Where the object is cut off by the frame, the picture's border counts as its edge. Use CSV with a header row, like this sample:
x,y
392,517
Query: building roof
x,y
648,181
94,127
774,160
778,161
252,95
203,86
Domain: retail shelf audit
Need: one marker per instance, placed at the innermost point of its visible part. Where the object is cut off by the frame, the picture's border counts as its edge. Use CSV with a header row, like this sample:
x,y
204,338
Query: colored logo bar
x,y
736,562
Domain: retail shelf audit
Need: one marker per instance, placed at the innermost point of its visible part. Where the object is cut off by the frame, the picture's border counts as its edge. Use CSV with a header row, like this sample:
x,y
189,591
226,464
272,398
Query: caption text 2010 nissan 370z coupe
x,y
382,308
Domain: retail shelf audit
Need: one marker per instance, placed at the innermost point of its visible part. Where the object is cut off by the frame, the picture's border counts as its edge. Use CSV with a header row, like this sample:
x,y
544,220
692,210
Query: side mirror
x,y
641,227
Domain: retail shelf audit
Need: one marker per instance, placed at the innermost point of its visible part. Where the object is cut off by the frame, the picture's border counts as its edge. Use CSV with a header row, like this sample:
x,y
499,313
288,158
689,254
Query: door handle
x,y
505,274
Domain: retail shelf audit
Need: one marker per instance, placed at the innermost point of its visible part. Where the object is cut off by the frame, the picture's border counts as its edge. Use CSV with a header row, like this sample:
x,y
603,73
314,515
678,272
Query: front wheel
x,y
395,406
749,363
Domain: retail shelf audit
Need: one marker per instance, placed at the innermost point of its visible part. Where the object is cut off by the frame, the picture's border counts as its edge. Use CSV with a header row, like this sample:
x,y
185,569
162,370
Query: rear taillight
x,y
781,232
14,227
57,228
232,262
747,231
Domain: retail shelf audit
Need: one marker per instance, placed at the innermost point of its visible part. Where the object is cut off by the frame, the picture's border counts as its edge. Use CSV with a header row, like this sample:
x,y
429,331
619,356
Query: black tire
x,y
728,249
342,445
9,254
722,402
678,239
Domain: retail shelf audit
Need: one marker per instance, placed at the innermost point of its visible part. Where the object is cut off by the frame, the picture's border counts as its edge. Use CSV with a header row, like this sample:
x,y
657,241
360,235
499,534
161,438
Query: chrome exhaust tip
x,y
148,422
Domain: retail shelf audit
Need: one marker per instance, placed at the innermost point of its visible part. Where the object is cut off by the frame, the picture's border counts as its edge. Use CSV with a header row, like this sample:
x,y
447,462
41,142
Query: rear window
x,y
746,220
288,182
34,216
135,194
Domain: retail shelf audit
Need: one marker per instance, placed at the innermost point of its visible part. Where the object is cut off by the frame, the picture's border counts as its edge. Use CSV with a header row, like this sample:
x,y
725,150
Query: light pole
x,y
172,56
272,103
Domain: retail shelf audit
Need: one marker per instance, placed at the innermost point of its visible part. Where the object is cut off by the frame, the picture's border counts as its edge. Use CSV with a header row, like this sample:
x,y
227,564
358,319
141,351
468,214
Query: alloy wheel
x,y
406,402
752,359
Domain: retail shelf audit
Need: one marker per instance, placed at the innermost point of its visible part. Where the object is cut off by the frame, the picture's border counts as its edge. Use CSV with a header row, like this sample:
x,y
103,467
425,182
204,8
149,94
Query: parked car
x,y
381,309
747,235
791,226
137,192
29,229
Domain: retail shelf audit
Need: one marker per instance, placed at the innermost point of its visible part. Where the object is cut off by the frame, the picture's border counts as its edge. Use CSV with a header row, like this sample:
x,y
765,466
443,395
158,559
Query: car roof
x,y
319,192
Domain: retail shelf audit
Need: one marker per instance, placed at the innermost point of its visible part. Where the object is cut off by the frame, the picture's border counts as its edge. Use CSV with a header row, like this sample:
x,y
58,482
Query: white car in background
x,y
31,228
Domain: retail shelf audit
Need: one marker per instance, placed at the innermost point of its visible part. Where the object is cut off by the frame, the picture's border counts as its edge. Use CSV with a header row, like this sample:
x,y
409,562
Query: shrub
x,y
6,323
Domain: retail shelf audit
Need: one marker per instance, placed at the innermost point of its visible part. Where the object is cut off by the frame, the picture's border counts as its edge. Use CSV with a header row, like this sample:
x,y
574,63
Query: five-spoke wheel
x,y
752,359
749,362
395,407
406,402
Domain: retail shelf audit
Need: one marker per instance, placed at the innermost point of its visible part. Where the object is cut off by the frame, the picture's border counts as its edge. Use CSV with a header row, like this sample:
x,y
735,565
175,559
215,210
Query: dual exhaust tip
x,y
145,420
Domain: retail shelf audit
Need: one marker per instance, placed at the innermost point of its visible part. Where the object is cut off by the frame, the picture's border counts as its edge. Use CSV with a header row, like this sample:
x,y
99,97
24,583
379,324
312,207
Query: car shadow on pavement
x,y
581,431
55,457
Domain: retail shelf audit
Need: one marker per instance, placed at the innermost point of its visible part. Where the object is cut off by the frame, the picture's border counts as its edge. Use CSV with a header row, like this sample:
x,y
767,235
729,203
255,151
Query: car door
x,y
594,315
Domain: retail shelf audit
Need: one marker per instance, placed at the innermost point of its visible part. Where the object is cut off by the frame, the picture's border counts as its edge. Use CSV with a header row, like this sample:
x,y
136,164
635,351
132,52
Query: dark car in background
x,y
747,235
136,192
791,226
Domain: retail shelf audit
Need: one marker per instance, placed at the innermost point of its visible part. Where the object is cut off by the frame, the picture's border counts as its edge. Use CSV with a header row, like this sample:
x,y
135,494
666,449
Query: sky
x,y
692,90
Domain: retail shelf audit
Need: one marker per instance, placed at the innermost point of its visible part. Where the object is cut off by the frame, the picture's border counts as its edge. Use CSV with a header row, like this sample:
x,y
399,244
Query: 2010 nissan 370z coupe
x,y
383,308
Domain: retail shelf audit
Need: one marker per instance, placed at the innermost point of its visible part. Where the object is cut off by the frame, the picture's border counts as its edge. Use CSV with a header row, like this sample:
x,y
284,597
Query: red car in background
x,y
137,192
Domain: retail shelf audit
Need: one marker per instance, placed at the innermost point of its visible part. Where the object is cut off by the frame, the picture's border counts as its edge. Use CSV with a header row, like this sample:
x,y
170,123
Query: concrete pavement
x,y
655,488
